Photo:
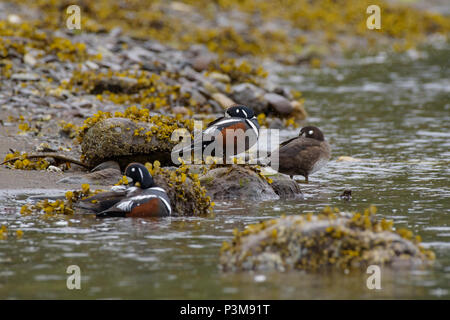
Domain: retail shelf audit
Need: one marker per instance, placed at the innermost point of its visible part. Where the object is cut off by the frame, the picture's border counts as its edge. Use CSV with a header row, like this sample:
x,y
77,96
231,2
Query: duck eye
x,y
310,132
133,169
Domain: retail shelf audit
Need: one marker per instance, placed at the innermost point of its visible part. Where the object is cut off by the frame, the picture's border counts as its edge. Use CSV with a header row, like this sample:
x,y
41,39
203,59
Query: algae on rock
x,y
315,242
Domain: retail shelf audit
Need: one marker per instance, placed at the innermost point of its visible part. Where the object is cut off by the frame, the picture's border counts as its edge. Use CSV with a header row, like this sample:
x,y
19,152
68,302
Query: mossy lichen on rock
x,y
187,196
130,136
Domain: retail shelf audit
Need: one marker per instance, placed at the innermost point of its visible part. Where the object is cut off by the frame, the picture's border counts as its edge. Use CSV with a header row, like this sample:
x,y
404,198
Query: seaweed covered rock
x,y
132,136
245,182
187,196
315,242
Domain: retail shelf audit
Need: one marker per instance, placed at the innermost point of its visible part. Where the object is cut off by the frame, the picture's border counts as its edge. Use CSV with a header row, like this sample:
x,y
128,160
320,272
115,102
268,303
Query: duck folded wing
x,y
153,203
104,200
101,201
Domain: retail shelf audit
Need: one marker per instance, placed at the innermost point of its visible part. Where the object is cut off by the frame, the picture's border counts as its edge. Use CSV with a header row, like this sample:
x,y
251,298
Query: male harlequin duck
x,y
145,200
236,117
305,154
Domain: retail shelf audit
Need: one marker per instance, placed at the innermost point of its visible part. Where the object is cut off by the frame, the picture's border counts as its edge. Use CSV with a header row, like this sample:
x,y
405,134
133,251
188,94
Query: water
x,y
391,113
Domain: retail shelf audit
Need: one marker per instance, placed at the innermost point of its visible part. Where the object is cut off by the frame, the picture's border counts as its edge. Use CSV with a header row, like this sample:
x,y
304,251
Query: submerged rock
x,y
242,182
314,242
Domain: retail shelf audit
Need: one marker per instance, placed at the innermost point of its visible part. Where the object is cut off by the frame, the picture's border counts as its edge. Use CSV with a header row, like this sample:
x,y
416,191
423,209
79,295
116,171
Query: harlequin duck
x,y
305,154
236,117
145,200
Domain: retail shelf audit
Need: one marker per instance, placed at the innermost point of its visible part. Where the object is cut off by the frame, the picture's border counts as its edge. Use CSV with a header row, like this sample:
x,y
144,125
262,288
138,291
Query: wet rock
x,y
280,104
116,139
237,182
315,242
285,188
250,95
185,198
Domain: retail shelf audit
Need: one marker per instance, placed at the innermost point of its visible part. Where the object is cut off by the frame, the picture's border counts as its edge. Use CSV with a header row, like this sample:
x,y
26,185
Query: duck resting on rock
x,y
140,199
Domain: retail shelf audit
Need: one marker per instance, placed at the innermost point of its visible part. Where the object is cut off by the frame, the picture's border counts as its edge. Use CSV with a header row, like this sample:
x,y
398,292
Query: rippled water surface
x,y
393,114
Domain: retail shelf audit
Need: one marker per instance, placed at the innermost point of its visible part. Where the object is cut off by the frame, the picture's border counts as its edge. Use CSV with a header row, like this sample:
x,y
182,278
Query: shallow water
x,y
391,113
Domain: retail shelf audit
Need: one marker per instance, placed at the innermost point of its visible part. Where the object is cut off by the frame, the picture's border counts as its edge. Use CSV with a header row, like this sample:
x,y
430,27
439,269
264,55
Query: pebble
x,y
26,76
223,100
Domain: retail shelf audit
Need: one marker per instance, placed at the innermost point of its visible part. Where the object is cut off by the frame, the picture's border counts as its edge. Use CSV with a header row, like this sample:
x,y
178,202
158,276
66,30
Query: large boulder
x,y
244,182
315,242
125,140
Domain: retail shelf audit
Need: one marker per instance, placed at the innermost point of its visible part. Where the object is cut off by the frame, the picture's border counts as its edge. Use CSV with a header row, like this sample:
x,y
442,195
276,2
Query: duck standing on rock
x,y
305,154
142,199
236,117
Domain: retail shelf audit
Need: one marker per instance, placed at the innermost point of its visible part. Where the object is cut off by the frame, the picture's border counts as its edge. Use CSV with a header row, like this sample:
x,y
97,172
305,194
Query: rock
x,y
283,91
216,107
348,159
106,173
115,139
193,93
299,111
181,110
186,198
91,65
285,188
276,123
202,61
280,104
14,19
223,100
237,182
29,59
219,77
316,242
251,96
26,76
115,32
115,84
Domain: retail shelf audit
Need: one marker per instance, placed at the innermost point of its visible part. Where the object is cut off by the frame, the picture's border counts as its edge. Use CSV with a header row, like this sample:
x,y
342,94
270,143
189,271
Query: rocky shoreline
x,y
116,90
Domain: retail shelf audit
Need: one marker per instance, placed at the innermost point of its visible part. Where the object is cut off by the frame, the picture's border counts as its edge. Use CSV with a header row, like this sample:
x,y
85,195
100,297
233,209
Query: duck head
x,y
139,173
312,132
240,111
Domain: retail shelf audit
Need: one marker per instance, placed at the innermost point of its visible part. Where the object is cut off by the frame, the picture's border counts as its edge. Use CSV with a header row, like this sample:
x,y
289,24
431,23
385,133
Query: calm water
x,y
391,113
